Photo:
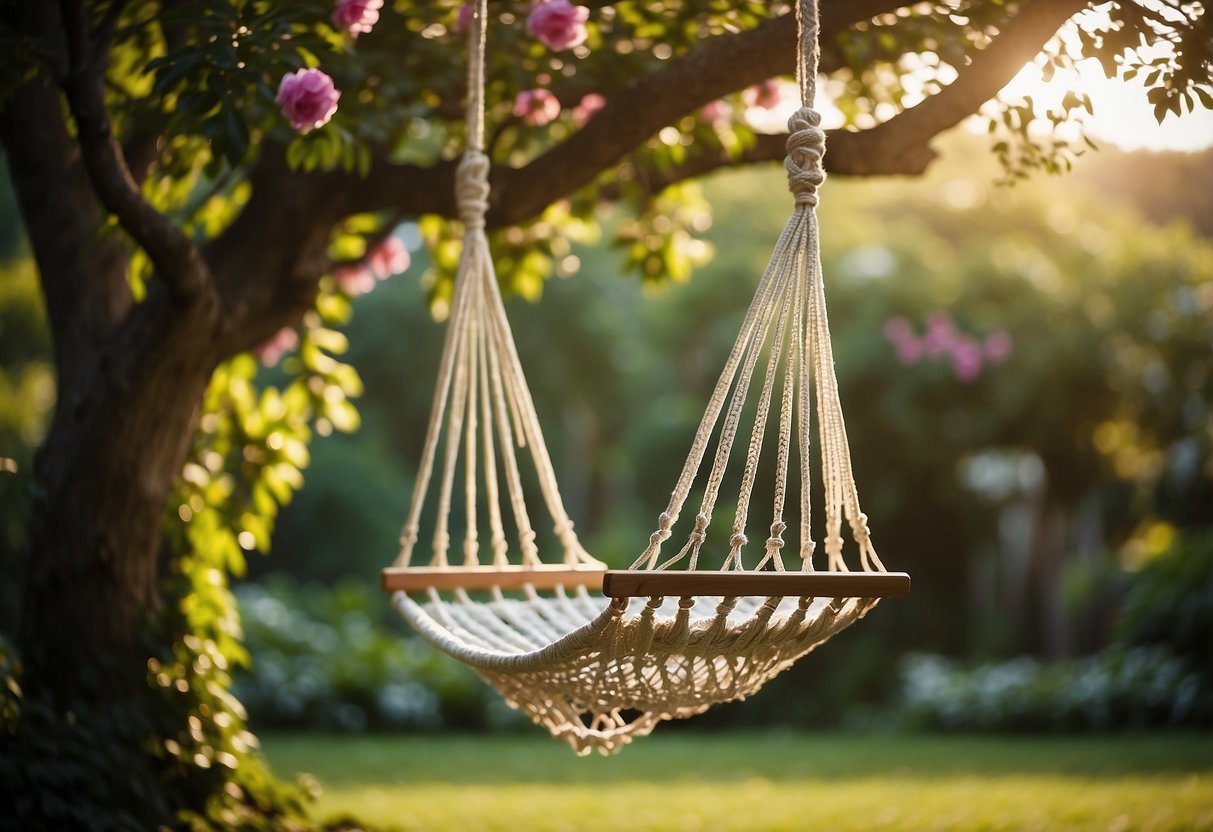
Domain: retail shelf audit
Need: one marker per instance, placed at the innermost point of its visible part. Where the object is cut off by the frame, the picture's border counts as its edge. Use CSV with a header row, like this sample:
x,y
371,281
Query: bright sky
x,y
1123,117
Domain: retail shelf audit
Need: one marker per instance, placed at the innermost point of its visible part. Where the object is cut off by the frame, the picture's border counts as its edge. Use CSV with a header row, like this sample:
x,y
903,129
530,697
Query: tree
x,y
177,222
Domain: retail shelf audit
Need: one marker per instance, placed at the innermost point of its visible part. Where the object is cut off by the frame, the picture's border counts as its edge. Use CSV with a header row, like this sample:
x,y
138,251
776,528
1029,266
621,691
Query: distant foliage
x,y
1158,672
333,660
1142,687
1170,602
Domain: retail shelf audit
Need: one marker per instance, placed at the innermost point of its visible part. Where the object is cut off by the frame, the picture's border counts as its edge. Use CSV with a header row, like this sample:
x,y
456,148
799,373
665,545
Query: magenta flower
x,y
765,95
388,258
940,334
900,333
354,280
463,22
536,107
966,358
357,17
998,346
270,352
558,24
308,98
714,112
589,104
909,351
897,329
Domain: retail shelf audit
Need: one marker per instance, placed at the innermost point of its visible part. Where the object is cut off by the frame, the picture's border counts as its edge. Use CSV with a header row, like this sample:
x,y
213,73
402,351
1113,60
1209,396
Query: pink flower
x,y
940,334
998,346
357,17
765,95
388,258
270,352
590,104
464,21
537,107
714,112
900,333
558,24
966,358
308,98
354,280
909,350
897,329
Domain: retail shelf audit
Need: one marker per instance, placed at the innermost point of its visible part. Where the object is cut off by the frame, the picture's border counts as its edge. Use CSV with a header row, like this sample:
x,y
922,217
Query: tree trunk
x,y
103,477
129,383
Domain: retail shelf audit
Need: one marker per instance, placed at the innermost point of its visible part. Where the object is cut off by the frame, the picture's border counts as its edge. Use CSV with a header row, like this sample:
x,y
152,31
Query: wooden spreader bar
x,y
544,576
621,583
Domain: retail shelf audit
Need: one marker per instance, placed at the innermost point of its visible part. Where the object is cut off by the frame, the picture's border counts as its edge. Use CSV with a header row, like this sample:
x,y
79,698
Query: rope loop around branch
x,y
472,188
806,146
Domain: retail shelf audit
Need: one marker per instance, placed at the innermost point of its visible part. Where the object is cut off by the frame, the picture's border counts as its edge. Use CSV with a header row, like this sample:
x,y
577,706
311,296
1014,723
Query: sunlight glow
x,y
1123,117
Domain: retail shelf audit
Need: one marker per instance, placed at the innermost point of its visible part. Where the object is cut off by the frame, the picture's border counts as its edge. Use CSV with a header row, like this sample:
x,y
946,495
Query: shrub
x,y
333,659
1135,687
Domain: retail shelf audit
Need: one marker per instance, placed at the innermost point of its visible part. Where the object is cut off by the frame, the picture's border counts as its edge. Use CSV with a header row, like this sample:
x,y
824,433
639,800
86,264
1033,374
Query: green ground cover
x,y
755,782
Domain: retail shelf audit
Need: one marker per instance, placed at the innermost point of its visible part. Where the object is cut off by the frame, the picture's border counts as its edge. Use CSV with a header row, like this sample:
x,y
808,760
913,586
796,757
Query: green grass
x,y
753,782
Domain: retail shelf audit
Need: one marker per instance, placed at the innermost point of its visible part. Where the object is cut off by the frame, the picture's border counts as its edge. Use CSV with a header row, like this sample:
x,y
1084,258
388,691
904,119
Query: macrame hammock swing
x,y
675,635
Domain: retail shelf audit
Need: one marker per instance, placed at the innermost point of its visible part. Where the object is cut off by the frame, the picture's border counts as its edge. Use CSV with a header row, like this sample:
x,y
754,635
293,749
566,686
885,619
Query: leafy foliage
x,y
330,660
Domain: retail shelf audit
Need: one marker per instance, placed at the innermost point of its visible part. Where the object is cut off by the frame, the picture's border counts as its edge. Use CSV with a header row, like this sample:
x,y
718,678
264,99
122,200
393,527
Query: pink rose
x,y
537,107
464,21
590,104
354,280
308,98
388,258
765,95
357,17
270,352
558,24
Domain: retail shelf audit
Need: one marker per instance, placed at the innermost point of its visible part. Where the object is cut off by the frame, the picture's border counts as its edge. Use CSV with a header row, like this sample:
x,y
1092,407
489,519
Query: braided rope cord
x,y
787,319
598,678
482,404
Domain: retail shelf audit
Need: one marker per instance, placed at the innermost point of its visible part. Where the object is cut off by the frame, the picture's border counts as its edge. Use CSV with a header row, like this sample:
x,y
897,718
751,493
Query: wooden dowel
x,y
637,583
672,583
545,576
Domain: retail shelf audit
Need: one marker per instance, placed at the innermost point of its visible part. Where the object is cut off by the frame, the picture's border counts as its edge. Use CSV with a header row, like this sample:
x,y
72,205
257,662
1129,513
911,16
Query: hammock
x,y
676,635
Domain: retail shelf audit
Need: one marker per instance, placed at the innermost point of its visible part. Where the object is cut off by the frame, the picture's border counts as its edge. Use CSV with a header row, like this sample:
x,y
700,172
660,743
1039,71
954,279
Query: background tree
x,y
179,220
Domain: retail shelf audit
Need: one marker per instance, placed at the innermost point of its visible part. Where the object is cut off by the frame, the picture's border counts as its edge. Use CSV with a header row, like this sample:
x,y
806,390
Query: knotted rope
x,y
600,677
806,140
786,322
482,404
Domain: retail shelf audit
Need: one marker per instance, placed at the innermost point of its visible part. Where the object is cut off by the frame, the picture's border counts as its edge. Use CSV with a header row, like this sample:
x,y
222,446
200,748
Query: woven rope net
x,y
599,674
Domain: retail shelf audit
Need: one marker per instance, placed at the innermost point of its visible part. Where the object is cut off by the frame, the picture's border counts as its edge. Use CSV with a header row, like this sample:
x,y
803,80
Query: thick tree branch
x,y
901,144
177,260
718,67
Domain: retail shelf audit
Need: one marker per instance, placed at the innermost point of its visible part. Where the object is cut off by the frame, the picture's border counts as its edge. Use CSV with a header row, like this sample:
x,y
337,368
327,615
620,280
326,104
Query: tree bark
x,y
129,382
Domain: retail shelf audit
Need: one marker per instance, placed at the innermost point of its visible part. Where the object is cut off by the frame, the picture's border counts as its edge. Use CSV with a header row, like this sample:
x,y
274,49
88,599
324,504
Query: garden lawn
x,y
681,782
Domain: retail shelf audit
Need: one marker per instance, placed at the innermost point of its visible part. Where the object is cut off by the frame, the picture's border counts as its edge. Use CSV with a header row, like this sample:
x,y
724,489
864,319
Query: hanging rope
x,y
788,318
482,403
599,677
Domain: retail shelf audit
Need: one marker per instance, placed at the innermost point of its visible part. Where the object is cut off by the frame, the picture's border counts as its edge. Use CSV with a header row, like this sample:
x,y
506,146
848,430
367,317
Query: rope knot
x,y
665,521
806,147
472,188
738,540
859,527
